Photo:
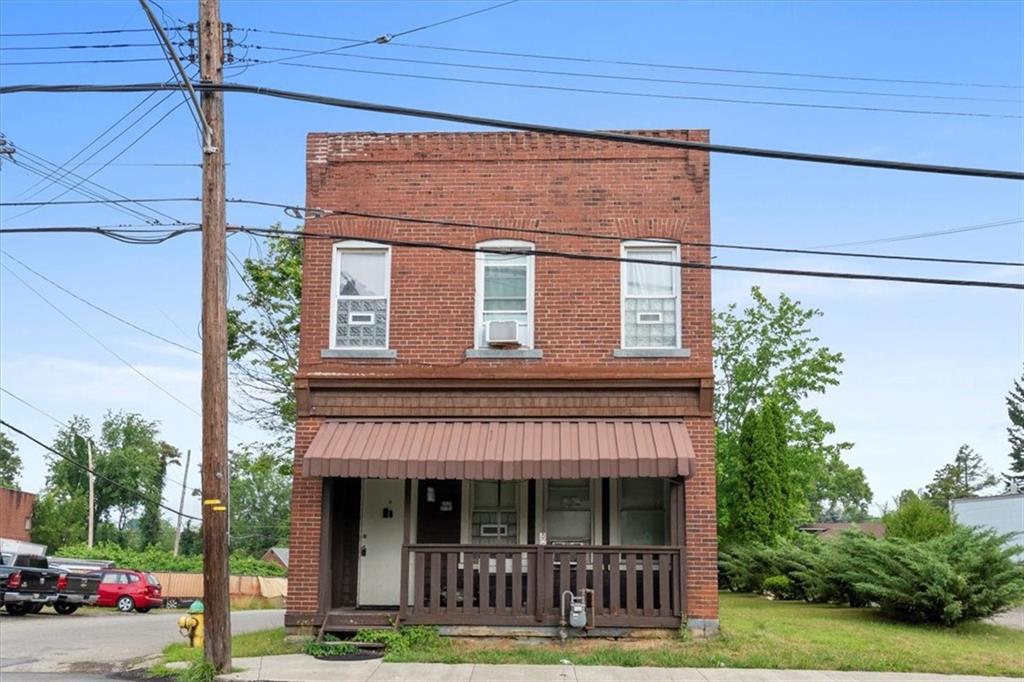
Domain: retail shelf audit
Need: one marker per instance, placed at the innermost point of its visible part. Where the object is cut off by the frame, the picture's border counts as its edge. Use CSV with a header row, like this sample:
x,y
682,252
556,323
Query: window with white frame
x,y
494,517
642,504
568,512
650,296
504,293
361,282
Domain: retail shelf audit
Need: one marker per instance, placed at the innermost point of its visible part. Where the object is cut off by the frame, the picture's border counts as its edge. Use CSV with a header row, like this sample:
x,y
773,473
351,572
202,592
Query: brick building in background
x,y
16,514
479,432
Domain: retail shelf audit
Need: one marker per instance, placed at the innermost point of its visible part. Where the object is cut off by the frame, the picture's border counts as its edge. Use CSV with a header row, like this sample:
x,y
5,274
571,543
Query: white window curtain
x,y
505,290
650,298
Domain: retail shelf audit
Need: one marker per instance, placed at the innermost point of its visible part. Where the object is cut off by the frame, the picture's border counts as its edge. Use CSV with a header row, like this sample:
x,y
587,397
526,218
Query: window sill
x,y
651,352
374,353
505,354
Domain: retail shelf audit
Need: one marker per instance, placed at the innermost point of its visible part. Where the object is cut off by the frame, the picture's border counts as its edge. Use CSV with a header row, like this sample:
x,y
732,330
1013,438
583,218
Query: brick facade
x,y
16,514
511,180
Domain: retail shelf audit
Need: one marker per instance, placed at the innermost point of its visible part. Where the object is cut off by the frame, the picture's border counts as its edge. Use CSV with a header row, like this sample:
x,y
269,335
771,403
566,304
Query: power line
x,y
619,62
647,95
388,37
828,274
100,46
925,235
641,79
61,62
323,212
83,33
533,127
99,342
98,475
49,416
67,176
97,307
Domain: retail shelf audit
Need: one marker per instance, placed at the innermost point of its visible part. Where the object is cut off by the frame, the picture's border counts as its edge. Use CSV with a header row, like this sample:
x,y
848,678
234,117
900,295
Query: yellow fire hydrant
x,y
191,626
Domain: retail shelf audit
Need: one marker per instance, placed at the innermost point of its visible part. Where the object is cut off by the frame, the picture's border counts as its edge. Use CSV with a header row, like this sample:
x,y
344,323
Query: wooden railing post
x,y
541,584
403,590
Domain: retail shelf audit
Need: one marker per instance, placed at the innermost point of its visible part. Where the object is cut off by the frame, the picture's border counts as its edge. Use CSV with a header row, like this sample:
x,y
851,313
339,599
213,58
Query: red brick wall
x,y
512,180
15,514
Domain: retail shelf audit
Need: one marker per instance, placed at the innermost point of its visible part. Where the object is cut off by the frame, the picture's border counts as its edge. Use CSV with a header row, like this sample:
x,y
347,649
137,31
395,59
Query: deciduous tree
x,y
10,462
260,498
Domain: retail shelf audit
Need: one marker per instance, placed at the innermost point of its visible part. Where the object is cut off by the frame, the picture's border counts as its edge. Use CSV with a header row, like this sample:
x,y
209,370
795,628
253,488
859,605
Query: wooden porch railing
x,y
522,584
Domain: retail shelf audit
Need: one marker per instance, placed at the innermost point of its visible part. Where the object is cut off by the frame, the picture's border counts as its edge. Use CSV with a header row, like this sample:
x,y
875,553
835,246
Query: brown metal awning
x,y
508,450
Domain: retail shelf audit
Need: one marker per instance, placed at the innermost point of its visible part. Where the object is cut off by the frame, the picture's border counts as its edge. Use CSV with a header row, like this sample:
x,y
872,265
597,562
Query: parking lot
x,y
99,641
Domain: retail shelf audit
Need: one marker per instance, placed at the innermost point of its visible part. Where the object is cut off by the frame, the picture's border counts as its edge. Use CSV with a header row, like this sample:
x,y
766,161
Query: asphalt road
x,y
91,643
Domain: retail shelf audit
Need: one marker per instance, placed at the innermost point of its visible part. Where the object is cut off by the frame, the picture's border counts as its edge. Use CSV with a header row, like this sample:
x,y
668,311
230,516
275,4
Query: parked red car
x,y
128,590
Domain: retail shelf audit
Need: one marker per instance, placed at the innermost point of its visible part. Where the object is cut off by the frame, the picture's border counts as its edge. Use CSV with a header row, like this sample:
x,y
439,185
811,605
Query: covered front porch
x,y
531,510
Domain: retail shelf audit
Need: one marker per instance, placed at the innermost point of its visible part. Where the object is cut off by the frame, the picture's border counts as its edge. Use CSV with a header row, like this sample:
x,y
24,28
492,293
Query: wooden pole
x,y
181,503
215,370
92,494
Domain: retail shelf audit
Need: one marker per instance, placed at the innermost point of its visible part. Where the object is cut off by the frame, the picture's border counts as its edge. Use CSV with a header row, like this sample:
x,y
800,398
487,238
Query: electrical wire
x,y
926,235
82,33
69,176
98,475
99,341
649,95
827,274
49,416
62,62
101,46
531,127
99,308
641,79
388,37
619,62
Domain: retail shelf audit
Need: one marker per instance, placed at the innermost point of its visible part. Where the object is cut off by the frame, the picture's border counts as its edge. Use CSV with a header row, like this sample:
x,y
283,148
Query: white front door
x,y
380,534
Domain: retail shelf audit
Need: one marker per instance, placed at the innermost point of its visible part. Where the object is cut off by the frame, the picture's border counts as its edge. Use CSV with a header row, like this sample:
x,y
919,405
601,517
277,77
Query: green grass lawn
x,y
756,633
259,643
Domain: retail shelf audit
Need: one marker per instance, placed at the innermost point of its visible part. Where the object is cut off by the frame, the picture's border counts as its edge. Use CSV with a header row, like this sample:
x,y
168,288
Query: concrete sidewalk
x,y
302,668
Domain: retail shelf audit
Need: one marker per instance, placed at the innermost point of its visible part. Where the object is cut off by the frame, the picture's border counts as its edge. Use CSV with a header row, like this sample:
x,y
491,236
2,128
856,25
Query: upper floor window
x,y
361,283
504,295
650,296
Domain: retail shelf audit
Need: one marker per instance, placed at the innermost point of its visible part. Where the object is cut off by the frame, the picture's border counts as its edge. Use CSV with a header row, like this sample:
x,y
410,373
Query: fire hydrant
x,y
191,626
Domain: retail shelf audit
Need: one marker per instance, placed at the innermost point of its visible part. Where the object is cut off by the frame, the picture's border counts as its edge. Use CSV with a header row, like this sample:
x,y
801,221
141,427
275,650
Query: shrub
x,y
154,559
331,646
403,640
966,574
916,519
778,586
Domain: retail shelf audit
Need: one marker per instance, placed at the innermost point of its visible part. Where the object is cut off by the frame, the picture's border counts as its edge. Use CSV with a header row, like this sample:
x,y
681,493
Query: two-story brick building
x,y
481,430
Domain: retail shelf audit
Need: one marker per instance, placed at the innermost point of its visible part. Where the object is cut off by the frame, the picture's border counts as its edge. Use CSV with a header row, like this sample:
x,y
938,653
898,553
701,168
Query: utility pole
x,y
181,503
92,493
215,347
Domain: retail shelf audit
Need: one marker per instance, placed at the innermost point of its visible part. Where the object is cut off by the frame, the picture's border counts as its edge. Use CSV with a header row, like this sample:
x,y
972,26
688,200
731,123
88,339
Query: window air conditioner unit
x,y
502,333
493,530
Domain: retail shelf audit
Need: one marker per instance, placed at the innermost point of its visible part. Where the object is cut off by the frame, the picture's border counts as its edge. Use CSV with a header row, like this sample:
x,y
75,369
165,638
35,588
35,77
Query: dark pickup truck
x,y
28,583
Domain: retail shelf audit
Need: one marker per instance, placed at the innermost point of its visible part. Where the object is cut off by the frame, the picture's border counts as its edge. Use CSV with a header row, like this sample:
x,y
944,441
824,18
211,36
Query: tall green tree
x,y
260,498
151,523
843,493
132,458
770,349
263,334
1015,431
10,463
965,476
764,499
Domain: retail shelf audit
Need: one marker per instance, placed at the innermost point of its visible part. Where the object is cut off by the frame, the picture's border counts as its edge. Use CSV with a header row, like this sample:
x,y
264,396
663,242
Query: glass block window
x,y
505,289
568,512
642,504
650,298
494,518
361,282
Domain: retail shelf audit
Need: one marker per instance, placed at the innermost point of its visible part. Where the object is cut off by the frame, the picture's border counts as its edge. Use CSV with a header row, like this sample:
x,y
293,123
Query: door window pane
x,y
568,514
494,518
642,504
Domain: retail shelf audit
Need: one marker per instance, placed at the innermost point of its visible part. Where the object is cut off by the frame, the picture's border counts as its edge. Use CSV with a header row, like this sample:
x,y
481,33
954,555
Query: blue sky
x,y
927,368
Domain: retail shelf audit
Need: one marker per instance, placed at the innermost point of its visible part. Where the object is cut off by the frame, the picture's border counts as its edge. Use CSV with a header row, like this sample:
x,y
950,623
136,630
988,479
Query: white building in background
x,y
1004,513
